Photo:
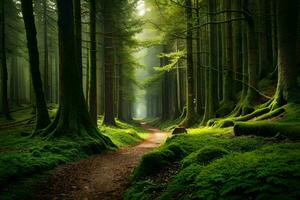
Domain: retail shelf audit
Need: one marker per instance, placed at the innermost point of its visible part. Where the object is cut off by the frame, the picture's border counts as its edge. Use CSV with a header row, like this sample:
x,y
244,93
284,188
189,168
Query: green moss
x,y
159,159
143,190
204,156
269,173
217,165
268,129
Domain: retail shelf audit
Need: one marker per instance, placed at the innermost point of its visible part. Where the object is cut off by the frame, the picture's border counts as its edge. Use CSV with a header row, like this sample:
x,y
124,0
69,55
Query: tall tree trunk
x,y
72,119
210,101
237,47
287,86
109,59
265,46
198,66
253,58
93,69
4,74
190,117
46,52
77,32
227,100
42,113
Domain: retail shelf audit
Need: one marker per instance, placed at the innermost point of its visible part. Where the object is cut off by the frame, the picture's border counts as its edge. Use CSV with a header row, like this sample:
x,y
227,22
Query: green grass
x,y
25,159
216,165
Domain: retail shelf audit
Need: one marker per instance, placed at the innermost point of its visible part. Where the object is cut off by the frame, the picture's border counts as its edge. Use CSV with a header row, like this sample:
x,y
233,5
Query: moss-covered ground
x,y
25,161
213,163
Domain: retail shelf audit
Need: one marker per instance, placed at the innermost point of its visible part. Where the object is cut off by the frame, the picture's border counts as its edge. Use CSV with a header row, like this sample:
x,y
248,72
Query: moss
x,y
268,129
272,114
204,155
143,190
217,165
159,159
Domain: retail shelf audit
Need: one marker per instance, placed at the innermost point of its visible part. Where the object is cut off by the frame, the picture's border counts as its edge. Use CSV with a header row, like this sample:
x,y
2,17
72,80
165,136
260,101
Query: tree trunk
x,y
72,119
198,66
93,69
211,74
42,113
109,59
253,58
190,117
77,32
265,46
4,74
287,86
46,54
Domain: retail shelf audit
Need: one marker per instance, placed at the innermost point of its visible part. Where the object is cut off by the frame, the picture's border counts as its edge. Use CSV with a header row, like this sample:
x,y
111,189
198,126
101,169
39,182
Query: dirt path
x,y
102,177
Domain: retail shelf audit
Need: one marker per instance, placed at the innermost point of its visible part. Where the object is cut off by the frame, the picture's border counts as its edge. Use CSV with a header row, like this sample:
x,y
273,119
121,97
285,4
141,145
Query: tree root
x,y
268,129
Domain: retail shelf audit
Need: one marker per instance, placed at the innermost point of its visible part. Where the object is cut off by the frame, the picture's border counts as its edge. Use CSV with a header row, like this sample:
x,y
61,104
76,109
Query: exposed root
x,y
268,129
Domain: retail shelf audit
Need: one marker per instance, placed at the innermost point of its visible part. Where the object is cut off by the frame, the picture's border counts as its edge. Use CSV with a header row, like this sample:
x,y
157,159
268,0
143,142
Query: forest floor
x,y
104,176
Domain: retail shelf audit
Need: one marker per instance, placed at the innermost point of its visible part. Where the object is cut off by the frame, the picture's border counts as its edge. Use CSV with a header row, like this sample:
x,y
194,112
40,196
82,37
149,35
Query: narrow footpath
x,y
103,177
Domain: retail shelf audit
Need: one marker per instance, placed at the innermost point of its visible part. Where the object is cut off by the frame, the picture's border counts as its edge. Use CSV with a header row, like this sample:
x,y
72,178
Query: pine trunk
x,y
42,113
93,69
109,59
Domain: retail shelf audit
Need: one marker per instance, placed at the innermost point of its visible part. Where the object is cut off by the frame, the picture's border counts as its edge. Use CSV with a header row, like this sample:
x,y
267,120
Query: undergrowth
x,y
214,164
24,159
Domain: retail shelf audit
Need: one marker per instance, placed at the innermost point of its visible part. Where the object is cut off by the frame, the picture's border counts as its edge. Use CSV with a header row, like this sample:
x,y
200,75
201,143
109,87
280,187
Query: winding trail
x,y
103,177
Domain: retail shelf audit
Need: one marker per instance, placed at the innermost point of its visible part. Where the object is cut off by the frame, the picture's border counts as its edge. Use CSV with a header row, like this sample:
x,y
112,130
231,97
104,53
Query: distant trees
x,y
235,45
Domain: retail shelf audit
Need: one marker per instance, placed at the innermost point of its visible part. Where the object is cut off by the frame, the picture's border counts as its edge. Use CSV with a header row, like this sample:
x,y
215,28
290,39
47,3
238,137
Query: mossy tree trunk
x,y
253,58
287,86
211,74
228,71
190,117
198,65
72,119
42,113
109,59
4,74
93,69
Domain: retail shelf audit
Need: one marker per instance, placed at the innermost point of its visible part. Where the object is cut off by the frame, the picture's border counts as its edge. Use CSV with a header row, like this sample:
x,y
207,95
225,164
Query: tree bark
x,y
287,86
46,52
190,117
78,35
211,74
93,69
253,58
109,59
42,113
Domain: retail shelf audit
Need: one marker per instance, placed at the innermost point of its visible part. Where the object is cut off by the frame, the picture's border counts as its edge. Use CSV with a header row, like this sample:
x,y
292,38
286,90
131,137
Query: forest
x,y
149,99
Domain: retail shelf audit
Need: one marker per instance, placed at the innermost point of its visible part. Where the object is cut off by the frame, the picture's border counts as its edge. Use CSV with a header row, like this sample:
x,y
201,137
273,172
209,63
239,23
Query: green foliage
x,y
173,57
